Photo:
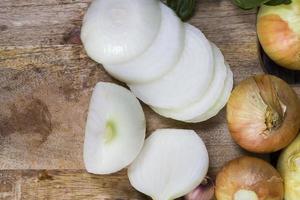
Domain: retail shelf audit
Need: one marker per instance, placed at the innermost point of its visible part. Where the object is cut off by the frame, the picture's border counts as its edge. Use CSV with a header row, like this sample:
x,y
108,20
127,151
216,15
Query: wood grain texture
x,y
33,22
64,185
44,96
46,81
45,85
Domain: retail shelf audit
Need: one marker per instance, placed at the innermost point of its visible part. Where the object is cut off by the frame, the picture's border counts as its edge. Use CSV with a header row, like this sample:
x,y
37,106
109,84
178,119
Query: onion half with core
x,y
115,129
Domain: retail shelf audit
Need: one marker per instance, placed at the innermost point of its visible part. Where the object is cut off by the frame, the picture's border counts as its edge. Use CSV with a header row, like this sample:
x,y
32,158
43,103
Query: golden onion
x,y
263,114
249,178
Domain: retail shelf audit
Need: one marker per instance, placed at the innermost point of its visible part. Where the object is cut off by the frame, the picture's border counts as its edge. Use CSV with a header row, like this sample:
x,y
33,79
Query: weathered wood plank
x,y
37,22
45,84
44,99
36,3
64,185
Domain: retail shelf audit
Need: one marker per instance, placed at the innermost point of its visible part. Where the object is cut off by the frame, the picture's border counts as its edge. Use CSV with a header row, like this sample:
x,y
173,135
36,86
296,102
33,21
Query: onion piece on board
x,y
171,164
115,129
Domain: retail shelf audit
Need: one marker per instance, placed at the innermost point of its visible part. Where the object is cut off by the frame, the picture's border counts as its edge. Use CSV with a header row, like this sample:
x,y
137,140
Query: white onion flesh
x,y
171,164
159,58
116,31
115,129
219,105
208,100
245,195
188,80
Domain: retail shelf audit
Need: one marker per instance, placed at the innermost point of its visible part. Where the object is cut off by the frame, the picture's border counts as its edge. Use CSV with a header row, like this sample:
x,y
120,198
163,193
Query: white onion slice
x,y
223,99
115,31
206,101
115,129
159,58
171,164
188,80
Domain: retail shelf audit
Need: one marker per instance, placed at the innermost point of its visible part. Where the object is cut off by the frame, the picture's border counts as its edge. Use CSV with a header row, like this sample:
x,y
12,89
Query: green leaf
x,y
183,8
249,4
278,2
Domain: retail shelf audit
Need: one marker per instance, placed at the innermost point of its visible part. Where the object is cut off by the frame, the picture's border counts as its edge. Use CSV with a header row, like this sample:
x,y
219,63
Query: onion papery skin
x,y
249,174
205,191
263,114
289,168
278,29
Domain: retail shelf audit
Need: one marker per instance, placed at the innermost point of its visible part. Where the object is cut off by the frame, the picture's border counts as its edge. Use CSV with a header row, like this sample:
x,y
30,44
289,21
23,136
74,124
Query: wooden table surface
x,y
46,80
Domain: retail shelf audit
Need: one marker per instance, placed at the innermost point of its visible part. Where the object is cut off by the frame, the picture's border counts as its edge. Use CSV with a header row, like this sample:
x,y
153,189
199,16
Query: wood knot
x,y
3,27
43,175
73,37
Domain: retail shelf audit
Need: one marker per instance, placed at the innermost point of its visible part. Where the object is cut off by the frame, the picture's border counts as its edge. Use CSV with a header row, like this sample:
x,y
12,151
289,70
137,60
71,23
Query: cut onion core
x,y
115,129
110,131
245,195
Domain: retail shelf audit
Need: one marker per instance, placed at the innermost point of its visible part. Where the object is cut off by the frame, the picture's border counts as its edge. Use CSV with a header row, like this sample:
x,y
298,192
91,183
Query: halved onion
x,y
159,58
115,31
188,80
171,164
248,178
115,129
263,114
206,101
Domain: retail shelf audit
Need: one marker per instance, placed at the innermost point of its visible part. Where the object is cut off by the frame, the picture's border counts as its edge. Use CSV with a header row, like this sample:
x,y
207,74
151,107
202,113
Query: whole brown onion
x,y
249,178
263,114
